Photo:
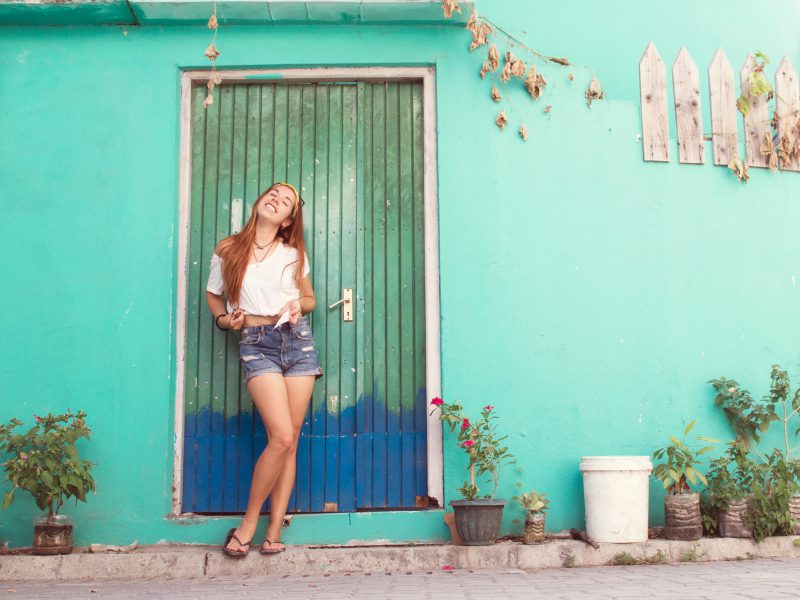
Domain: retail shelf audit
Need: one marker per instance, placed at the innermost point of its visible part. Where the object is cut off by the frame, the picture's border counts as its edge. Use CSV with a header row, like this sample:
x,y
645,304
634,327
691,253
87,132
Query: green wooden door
x,y
355,152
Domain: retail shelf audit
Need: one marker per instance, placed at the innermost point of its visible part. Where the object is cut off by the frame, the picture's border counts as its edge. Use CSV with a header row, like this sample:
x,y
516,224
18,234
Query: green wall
x,y
585,293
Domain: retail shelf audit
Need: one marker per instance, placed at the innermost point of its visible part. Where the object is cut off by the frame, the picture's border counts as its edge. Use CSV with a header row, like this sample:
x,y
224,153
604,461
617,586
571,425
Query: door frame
x,y
433,378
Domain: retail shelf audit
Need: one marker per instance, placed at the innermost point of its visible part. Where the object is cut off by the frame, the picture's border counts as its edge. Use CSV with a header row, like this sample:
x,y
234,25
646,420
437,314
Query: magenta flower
x,y
437,401
468,444
488,407
465,424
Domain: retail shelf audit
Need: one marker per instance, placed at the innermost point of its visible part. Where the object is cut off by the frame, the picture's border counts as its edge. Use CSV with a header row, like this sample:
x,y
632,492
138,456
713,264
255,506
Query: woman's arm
x,y
216,304
307,299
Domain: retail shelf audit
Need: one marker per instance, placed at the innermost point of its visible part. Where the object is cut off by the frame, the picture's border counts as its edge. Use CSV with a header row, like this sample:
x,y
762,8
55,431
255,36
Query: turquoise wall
x,y
585,293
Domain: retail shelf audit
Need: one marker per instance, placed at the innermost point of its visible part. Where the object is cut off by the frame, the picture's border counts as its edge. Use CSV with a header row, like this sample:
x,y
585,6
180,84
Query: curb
x,y
185,561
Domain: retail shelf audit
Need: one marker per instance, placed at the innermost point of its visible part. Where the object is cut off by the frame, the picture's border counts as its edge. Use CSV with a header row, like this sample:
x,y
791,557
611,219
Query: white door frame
x,y
433,379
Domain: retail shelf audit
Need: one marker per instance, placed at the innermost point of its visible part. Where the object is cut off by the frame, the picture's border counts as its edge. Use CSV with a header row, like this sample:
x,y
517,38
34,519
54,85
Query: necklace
x,y
257,245
263,258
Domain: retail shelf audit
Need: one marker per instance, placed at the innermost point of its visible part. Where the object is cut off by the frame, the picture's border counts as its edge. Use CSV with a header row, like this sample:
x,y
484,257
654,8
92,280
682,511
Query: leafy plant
x,y
678,470
533,502
771,482
44,461
480,441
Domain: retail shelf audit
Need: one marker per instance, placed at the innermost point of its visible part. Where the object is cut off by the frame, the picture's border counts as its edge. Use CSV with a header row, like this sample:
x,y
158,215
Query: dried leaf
x,y
534,83
211,52
494,57
774,121
212,22
485,68
570,76
472,23
773,161
214,81
559,61
501,119
594,91
739,169
479,35
523,133
743,105
785,149
547,108
448,6
496,94
208,101
766,144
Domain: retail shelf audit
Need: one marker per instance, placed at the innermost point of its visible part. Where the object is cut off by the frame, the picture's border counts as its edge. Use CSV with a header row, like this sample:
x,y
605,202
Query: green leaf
x,y
675,440
8,499
689,426
690,473
704,450
674,474
702,478
743,105
762,57
759,84
706,439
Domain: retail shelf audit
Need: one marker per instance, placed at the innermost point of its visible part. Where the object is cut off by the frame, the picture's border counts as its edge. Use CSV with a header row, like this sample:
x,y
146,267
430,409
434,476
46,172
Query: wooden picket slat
x,y
653,87
722,89
787,92
756,123
688,116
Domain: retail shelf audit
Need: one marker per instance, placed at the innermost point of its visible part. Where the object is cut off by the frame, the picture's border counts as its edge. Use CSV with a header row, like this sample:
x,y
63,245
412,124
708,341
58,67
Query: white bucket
x,y
616,492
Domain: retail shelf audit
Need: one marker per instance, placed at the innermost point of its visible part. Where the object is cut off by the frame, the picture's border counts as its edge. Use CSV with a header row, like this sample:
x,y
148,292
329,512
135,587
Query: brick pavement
x,y
747,579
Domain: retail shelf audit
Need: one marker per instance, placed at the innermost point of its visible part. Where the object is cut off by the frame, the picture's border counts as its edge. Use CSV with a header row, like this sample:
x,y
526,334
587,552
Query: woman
x,y
263,270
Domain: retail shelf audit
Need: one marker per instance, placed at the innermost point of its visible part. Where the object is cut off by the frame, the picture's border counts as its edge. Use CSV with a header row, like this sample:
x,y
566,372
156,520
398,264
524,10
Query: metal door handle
x,y
347,301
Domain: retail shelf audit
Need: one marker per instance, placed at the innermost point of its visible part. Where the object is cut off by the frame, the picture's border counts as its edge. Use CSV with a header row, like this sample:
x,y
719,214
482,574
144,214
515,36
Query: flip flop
x,y
232,536
262,550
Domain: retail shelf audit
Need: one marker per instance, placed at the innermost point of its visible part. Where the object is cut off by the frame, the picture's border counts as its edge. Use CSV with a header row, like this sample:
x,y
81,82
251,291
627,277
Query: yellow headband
x,y
296,195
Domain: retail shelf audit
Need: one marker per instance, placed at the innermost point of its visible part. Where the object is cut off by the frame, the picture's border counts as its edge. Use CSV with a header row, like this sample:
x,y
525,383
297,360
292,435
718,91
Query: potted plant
x,y
477,520
683,520
44,461
776,476
728,493
534,505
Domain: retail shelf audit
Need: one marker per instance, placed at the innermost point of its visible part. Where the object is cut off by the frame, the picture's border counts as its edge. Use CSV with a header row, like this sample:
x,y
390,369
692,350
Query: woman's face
x,y
276,206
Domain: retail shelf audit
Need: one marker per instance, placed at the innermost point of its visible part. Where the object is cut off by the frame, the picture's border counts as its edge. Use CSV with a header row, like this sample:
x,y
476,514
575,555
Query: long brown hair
x,y
235,250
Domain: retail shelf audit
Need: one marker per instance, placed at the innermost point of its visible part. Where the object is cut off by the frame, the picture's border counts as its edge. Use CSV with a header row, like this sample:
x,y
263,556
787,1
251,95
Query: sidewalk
x,y
183,561
748,579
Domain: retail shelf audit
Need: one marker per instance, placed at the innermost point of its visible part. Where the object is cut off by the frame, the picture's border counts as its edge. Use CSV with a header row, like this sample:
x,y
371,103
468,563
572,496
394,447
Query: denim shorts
x,y
287,349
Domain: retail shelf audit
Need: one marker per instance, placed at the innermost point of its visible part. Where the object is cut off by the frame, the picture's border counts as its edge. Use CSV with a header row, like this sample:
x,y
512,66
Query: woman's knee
x,y
283,442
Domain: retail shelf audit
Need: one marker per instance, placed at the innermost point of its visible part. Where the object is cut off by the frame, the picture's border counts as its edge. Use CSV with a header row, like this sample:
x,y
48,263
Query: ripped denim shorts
x,y
287,349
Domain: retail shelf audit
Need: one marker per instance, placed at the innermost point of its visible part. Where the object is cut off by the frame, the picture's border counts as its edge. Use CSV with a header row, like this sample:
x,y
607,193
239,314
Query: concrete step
x,y
190,561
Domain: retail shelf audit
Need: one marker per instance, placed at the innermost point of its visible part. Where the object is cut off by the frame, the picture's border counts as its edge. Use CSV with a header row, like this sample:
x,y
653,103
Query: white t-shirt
x,y
267,286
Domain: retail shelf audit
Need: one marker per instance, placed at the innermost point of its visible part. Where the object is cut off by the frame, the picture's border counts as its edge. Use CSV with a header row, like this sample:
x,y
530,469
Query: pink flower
x,y
465,424
38,418
437,401
447,568
488,407
23,456
468,444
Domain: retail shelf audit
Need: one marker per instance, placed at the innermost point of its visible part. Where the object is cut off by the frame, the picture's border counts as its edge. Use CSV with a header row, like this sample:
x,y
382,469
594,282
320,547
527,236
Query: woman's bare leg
x,y
270,397
299,390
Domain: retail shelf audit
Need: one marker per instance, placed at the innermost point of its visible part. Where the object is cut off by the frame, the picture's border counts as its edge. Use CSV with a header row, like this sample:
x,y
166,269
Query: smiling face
x,y
277,205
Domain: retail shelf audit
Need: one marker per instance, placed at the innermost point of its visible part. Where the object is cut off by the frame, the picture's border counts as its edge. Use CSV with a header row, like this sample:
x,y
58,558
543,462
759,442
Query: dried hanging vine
x,y
513,67
211,54
773,145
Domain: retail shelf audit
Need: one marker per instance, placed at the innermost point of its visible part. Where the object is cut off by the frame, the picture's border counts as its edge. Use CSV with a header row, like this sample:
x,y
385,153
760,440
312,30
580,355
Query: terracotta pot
x,y
794,511
534,529
52,536
478,521
682,516
730,522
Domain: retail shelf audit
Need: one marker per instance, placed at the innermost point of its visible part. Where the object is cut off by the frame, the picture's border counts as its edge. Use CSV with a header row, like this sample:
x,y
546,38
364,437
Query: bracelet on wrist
x,y
216,322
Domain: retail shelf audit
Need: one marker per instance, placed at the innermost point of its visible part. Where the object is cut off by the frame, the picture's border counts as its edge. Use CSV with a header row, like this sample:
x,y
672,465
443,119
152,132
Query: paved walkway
x,y
749,579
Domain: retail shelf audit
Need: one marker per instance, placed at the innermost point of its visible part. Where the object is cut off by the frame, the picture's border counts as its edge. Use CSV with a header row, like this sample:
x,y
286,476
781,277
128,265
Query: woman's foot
x,y
240,540
272,547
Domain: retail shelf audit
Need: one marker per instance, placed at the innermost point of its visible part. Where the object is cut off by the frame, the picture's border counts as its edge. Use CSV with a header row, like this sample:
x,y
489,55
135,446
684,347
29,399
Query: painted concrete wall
x,y
586,294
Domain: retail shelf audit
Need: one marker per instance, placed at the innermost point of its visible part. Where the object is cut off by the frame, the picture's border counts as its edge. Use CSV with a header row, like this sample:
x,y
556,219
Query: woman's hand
x,y
293,308
235,320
